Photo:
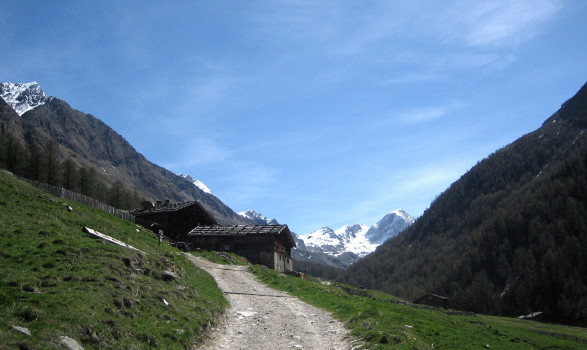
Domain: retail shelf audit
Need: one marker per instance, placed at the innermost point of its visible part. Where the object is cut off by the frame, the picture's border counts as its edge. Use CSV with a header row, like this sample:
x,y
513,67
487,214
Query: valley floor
x,y
263,318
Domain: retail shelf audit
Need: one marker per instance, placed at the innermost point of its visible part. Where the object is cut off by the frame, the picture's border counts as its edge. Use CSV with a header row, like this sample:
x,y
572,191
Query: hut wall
x,y
258,249
282,263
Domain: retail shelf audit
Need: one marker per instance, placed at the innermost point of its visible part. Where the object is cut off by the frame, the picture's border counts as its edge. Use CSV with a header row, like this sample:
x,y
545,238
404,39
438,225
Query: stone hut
x,y
269,245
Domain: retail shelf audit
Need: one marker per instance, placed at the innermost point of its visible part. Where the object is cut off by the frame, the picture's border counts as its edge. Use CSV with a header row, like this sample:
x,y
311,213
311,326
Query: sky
x,y
316,113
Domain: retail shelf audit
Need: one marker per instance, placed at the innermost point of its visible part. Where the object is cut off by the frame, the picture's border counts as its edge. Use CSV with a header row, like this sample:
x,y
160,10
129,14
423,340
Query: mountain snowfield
x,y
199,184
258,218
348,238
359,239
23,97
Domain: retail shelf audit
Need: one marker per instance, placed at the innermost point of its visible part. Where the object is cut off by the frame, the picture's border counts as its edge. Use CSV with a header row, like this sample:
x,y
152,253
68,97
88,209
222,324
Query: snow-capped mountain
x,y
258,218
359,239
23,97
199,184
349,238
391,224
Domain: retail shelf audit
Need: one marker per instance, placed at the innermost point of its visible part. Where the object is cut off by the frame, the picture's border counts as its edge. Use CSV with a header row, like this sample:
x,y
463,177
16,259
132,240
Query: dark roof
x,y
429,295
171,208
243,230
164,208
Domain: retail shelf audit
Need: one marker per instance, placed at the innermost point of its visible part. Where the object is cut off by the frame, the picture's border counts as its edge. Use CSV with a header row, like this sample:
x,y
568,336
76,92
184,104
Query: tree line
x,y
43,163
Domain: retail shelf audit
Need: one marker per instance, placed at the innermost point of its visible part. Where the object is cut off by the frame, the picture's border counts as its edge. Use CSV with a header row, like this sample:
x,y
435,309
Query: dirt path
x,y
263,318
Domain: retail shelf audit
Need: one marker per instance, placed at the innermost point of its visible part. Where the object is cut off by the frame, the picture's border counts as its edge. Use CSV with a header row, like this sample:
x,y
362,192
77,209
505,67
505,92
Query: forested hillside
x,y
509,237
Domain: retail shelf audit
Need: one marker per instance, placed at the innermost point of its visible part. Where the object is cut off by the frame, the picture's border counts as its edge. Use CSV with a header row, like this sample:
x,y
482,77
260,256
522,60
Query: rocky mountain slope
x,y
509,237
29,115
258,218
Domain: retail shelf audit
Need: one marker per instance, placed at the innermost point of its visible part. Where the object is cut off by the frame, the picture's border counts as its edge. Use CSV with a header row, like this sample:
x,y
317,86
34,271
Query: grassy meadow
x,y
385,322
55,280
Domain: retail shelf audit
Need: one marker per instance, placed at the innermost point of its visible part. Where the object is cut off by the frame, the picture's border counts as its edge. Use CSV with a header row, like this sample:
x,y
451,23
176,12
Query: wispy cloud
x,y
198,151
491,23
414,77
447,60
427,114
245,182
412,189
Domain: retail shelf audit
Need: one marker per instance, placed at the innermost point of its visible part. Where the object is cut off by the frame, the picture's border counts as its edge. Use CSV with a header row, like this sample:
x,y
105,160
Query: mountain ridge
x,y
89,142
358,239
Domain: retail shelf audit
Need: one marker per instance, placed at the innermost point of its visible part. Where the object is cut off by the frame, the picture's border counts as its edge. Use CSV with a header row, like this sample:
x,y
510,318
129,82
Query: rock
x,y
69,343
129,302
94,338
169,275
22,330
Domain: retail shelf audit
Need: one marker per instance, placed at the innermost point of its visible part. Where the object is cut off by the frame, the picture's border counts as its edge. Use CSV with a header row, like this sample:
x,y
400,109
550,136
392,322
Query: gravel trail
x,y
263,318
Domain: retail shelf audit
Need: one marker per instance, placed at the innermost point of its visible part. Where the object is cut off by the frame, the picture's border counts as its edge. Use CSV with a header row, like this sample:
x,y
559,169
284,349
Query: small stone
x,y
169,275
69,343
94,337
128,302
22,330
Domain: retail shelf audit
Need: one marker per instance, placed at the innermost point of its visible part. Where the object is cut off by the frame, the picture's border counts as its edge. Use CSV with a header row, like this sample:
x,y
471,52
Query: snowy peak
x,y
389,226
359,239
23,97
257,218
199,184
348,238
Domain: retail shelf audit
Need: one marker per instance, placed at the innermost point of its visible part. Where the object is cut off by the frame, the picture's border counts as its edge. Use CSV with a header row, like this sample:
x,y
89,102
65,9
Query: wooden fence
x,y
80,198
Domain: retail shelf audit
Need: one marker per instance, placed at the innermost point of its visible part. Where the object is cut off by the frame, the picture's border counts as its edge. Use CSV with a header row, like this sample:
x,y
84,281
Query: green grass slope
x,y
385,322
55,280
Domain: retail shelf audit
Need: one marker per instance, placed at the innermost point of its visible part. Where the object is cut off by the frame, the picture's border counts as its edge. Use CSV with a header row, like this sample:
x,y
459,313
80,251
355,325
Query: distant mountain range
x,y
344,246
509,237
30,116
358,239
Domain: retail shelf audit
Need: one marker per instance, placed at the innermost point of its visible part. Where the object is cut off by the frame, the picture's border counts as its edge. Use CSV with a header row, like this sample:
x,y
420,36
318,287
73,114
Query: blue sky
x,y
317,113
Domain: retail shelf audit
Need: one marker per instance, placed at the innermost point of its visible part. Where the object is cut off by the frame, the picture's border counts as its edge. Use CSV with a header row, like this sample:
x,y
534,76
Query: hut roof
x,y
173,207
243,230
429,295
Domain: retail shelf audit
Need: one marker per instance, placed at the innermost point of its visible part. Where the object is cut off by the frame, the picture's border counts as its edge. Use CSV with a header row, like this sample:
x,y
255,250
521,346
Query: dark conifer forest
x,y
509,237
42,163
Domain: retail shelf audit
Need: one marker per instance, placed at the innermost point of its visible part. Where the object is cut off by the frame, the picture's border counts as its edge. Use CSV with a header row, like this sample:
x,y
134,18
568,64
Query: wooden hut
x,y
432,300
174,219
269,245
